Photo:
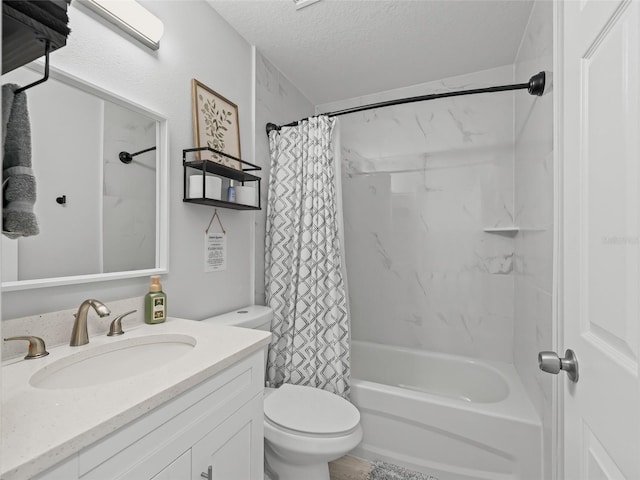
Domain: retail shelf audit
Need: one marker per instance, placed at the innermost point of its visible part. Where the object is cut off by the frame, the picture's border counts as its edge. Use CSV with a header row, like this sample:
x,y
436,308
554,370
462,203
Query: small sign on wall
x,y
215,247
215,252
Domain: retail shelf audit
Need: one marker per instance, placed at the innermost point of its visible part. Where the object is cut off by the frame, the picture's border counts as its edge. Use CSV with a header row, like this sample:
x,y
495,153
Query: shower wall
x,y
420,183
533,326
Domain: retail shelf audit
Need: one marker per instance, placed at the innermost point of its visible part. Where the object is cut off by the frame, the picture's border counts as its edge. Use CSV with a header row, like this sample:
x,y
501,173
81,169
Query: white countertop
x,y
41,427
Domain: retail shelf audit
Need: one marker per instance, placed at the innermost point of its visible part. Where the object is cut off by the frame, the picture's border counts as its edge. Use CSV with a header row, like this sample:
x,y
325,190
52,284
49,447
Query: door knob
x,y
208,474
550,362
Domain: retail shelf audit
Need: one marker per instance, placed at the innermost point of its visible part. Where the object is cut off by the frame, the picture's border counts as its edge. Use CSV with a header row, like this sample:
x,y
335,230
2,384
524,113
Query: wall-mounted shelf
x,y
220,203
226,173
24,35
508,231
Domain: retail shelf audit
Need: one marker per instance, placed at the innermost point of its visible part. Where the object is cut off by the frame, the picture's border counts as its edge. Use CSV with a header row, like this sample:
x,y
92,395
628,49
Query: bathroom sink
x,y
111,362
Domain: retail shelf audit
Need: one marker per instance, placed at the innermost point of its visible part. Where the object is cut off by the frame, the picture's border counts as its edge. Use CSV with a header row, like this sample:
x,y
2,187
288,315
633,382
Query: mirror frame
x,y
162,191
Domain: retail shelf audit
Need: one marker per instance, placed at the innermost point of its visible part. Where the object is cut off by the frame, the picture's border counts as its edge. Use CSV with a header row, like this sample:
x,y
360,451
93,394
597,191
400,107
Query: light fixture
x,y
303,3
131,17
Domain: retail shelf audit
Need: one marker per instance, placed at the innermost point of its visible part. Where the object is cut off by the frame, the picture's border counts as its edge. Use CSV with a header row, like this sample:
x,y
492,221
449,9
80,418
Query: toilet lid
x,y
310,410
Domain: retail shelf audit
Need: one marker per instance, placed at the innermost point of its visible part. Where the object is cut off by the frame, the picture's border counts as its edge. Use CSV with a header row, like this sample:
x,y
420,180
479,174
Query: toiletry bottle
x,y
155,303
231,192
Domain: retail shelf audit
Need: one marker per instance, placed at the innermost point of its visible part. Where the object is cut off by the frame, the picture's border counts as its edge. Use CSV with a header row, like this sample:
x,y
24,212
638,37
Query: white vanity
x,y
81,413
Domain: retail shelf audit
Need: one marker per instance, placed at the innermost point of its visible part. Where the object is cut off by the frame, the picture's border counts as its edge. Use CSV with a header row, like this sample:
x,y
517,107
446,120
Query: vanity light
x,y
131,17
303,3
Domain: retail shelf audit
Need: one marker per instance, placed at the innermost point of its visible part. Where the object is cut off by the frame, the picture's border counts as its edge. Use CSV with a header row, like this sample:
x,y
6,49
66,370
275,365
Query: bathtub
x,y
448,416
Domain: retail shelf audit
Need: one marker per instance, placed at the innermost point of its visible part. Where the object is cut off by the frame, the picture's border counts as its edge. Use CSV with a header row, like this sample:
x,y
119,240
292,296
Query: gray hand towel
x,y
18,181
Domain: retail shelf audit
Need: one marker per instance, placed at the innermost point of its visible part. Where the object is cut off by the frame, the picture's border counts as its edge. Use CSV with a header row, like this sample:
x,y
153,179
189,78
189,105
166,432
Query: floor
x,y
349,468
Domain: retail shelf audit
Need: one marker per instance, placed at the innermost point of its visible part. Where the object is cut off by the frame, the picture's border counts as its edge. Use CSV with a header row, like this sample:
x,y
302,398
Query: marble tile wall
x,y
277,101
420,182
533,179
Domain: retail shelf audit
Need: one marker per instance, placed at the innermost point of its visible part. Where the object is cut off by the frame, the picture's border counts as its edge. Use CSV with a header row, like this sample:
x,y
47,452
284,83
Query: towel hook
x,y
47,48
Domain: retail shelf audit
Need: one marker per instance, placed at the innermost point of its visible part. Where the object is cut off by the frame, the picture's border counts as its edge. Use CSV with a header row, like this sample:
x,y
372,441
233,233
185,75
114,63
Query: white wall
x,y
197,43
534,214
277,101
420,181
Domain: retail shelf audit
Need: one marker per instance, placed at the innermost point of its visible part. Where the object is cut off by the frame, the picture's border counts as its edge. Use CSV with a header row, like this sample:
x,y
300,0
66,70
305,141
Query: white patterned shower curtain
x,y
304,275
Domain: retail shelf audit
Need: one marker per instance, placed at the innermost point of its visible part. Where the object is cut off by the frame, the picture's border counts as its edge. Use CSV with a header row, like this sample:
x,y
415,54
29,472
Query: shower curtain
x,y
305,282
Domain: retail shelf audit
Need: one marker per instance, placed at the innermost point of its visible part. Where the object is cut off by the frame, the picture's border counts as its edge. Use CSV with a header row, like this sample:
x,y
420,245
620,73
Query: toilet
x,y
304,427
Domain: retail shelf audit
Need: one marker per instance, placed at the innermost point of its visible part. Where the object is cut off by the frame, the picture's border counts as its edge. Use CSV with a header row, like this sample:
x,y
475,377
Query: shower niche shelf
x,y
191,163
507,231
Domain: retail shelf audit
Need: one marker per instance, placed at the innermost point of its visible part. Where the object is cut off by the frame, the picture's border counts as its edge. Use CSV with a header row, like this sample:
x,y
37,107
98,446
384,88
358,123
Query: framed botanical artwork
x,y
215,125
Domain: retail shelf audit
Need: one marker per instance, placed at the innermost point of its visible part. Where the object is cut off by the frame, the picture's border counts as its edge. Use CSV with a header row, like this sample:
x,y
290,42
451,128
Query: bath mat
x,y
388,471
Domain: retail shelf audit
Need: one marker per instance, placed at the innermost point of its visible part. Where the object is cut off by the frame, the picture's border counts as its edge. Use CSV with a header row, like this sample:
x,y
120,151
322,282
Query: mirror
x,y
100,217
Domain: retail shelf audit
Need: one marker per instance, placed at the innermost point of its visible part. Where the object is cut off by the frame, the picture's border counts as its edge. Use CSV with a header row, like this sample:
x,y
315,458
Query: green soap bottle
x,y
155,303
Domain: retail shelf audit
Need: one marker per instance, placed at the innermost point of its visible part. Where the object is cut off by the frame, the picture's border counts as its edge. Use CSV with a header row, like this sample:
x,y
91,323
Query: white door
x,y
601,228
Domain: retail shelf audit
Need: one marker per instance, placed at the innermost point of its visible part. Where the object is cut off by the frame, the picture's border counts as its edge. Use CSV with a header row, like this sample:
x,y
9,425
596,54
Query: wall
x,y
197,43
534,214
277,101
420,182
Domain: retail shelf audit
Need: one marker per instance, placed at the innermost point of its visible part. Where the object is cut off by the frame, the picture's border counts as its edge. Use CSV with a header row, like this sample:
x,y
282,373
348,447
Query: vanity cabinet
x,y
179,468
218,423
228,450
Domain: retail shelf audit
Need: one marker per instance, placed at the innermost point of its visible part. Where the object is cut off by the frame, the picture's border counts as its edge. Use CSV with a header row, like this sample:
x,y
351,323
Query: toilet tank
x,y
254,316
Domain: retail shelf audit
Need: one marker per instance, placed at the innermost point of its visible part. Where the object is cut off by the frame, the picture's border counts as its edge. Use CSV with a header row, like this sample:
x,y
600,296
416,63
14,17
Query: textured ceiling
x,y
337,49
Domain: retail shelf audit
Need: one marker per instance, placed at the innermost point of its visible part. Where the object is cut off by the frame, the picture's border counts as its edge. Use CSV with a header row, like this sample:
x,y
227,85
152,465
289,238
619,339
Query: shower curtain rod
x,y
535,86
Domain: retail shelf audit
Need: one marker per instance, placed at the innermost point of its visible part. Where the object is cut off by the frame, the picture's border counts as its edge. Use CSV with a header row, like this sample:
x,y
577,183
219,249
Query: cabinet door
x,y
234,449
180,468
66,470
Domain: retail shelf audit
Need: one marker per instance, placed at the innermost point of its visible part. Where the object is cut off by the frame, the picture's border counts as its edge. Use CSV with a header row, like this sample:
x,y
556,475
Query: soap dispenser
x,y
155,303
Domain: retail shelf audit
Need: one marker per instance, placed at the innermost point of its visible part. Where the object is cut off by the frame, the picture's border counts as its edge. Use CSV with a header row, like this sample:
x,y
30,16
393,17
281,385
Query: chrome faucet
x,y
79,334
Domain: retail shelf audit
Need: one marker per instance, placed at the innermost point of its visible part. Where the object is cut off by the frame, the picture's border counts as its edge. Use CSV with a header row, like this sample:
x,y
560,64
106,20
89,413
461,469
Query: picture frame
x,y
215,125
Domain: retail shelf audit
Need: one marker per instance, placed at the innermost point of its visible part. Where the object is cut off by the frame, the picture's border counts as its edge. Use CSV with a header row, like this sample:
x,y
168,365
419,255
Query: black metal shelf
x,y
222,170
23,38
220,203
210,166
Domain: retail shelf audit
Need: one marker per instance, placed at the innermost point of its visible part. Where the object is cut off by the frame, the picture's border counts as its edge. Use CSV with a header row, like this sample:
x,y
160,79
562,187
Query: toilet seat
x,y
310,411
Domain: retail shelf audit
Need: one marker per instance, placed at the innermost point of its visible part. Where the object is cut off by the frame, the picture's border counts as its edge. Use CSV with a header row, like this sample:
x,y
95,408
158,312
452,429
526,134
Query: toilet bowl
x,y
304,427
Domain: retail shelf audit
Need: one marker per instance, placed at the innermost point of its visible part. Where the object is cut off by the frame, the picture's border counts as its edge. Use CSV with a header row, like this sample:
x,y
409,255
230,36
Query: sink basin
x,y
111,362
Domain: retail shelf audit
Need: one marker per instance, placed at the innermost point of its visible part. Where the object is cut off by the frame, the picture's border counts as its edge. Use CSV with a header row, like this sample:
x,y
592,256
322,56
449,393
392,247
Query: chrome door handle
x,y
208,474
551,363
